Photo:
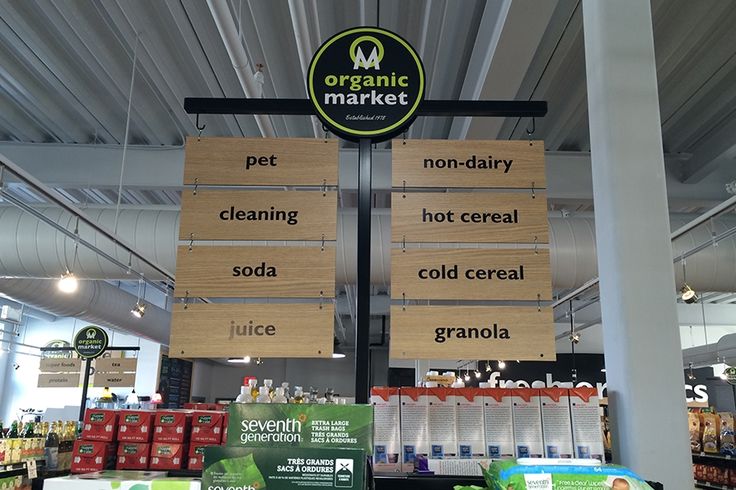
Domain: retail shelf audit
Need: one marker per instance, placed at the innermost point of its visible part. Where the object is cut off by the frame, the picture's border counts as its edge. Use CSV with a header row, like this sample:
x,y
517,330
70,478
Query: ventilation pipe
x,y
94,301
29,248
229,32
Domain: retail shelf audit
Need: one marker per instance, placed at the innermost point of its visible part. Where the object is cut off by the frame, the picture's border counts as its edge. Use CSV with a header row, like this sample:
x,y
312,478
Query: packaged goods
x,y
168,456
556,423
469,423
100,425
414,426
196,455
132,456
172,426
387,429
441,419
90,456
586,423
527,415
135,426
694,427
207,427
710,426
728,441
498,422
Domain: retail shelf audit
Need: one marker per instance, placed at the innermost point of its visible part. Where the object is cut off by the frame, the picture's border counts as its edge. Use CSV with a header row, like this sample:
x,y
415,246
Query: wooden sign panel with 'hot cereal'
x,y
465,163
260,161
258,215
469,217
471,274
255,272
257,330
472,332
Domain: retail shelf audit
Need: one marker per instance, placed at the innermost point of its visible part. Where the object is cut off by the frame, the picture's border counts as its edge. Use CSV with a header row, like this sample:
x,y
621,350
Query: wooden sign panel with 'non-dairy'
x,y
257,330
469,217
466,163
255,272
260,161
472,332
258,215
471,274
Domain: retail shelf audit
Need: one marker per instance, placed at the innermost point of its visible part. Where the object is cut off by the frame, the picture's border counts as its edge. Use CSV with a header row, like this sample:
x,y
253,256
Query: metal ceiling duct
x,y
95,301
32,249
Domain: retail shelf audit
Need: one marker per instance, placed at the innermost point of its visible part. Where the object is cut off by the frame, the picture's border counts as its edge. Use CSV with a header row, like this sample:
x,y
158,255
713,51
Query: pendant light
x,y
68,282
687,293
140,306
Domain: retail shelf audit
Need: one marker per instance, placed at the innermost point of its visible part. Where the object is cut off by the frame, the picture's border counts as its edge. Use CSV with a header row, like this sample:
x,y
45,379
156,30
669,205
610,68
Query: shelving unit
x,y
702,484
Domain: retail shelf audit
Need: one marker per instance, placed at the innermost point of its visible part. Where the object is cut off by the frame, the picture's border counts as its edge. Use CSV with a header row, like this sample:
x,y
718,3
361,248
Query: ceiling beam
x,y
716,149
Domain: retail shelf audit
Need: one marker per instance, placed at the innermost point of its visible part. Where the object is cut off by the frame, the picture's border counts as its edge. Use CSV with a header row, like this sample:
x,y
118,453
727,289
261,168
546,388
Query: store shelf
x,y
17,469
714,458
712,486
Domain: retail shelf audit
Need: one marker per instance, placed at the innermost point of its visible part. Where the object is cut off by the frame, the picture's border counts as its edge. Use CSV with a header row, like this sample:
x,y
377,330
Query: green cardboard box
x,y
282,469
317,426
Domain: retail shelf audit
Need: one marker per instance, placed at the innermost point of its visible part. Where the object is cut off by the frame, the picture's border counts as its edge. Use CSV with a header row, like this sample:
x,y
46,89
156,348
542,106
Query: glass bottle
x,y
13,432
253,384
298,395
51,449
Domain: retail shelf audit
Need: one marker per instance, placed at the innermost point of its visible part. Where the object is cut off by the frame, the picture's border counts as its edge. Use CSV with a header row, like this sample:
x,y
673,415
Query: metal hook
x,y
403,190
530,132
196,184
403,301
404,138
321,299
536,246
199,128
186,299
539,302
191,241
324,187
534,195
403,243
323,242
324,128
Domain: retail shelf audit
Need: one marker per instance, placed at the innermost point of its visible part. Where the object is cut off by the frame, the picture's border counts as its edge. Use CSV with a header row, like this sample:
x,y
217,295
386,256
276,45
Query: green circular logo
x,y
366,82
90,342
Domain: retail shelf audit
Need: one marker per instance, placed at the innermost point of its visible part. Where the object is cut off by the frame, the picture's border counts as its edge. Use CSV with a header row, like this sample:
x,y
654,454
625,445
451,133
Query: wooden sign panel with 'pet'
x,y
255,272
260,161
472,332
471,274
469,217
258,215
258,330
466,163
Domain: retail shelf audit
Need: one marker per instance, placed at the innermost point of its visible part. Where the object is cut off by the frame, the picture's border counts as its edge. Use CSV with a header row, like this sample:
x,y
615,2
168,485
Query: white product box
x,y
469,423
527,414
498,421
587,435
556,424
442,431
414,426
386,428
458,467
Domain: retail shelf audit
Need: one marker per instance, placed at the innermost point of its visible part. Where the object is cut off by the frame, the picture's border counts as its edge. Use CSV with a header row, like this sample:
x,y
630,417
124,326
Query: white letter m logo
x,y
372,61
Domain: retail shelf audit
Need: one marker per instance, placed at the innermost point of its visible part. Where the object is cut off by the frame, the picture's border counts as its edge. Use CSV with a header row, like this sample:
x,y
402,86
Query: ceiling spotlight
x,y
488,366
501,365
259,361
337,353
139,310
239,360
467,376
68,282
574,337
690,373
688,295
477,374
723,376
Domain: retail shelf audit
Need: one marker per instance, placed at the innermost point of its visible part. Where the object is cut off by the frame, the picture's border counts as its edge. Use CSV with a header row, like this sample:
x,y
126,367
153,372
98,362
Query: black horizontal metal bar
x,y
304,107
69,349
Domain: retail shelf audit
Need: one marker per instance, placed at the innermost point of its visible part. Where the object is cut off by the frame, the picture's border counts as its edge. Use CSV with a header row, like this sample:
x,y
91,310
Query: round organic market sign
x,y
366,82
90,342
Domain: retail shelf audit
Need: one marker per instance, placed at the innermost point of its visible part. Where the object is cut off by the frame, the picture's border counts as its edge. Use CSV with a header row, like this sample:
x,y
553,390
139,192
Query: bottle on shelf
x,y
329,396
244,396
13,432
285,386
279,397
2,430
263,396
298,395
254,392
313,394
268,383
28,431
51,449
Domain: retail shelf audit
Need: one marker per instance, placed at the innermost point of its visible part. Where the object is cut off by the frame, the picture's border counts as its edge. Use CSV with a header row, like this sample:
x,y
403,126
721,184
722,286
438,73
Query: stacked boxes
x,y
96,450
469,423
387,428
586,423
527,415
135,429
498,423
441,420
414,426
133,456
556,423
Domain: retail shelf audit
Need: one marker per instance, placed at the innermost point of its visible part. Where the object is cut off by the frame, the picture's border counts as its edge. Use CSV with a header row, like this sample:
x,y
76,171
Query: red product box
x,y
196,455
132,456
100,425
199,406
167,456
90,456
207,427
172,426
225,420
135,426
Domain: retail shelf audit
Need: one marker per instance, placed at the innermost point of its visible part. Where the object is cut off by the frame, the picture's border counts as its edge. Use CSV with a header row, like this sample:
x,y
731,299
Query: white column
x,y
641,338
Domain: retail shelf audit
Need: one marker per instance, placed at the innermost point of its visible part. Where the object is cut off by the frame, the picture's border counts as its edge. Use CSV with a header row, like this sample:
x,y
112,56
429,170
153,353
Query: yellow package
x,y
710,423
694,426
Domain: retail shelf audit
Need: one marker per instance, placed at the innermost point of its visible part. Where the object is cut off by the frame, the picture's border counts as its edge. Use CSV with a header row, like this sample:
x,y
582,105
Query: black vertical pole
x,y
85,383
362,330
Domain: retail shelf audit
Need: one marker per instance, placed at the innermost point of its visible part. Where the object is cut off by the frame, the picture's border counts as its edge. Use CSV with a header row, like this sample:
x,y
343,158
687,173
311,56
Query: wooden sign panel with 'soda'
x,y
469,217
472,332
258,215
256,330
466,163
260,161
255,272
471,274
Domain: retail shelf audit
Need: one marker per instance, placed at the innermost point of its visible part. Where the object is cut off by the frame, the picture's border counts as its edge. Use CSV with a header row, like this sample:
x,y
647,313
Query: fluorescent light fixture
x,y
68,283
337,353
239,360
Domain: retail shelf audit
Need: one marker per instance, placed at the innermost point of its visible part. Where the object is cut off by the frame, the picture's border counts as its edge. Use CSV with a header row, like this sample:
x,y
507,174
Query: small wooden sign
x,y
469,217
113,380
261,161
466,163
472,332
258,215
257,330
115,365
255,272
58,380
471,274
60,365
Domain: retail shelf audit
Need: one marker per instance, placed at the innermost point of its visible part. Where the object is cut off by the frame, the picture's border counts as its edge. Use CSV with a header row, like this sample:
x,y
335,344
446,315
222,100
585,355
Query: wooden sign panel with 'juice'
x,y
255,272
258,215
58,380
469,217
257,330
260,161
471,274
472,332
465,163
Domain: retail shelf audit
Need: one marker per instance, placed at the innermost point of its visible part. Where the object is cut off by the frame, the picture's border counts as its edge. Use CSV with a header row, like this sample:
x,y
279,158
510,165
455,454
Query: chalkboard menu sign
x,y
175,382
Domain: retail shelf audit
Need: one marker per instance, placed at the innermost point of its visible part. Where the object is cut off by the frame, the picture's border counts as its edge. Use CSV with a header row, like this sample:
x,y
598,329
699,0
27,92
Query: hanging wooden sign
x,y
60,365
115,365
261,161
258,215
469,217
471,274
255,272
256,330
58,380
472,332
466,163
113,380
